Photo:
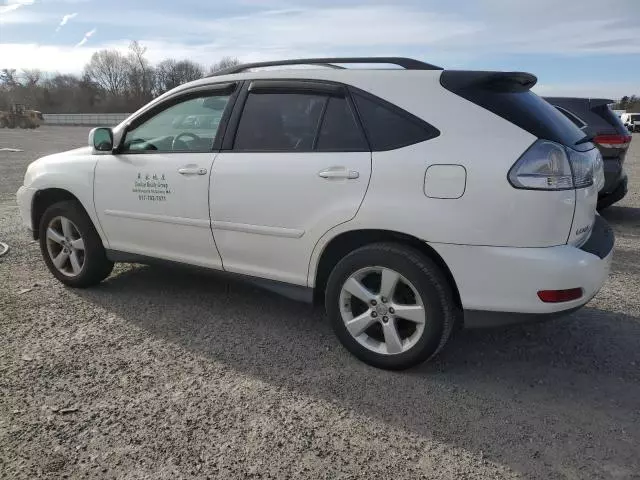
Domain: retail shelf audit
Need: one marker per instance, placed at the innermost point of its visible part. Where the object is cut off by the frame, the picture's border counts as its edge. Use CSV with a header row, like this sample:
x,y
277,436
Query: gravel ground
x,y
164,374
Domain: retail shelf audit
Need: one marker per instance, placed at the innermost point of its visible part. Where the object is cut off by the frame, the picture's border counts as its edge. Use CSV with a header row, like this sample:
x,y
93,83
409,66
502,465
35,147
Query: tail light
x,y
548,165
613,141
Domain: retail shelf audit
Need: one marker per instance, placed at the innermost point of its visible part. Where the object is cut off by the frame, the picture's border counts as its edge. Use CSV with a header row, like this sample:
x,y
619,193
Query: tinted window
x,y
339,131
533,114
388,127
190,125
279,122
508,96
574,119
605,112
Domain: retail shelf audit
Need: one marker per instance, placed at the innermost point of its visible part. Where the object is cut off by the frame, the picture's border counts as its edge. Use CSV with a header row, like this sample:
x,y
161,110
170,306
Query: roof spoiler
x,y
499,82
597,102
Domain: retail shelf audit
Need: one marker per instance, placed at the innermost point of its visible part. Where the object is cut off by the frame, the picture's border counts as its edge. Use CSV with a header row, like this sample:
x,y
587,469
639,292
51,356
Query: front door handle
x,y
339,173
192,171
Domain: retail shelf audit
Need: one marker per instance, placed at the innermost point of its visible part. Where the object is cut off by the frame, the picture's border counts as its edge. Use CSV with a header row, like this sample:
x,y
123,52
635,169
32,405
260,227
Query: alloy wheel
x,y
65,246
382,310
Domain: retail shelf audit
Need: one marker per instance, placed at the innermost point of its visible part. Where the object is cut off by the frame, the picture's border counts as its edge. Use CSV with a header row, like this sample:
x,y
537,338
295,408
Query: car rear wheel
x,y
390,306
71,247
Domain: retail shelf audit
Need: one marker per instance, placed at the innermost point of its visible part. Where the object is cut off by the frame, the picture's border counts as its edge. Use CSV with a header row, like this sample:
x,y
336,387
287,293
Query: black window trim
x,y
224,88
311,87
314,145
359,125
299,85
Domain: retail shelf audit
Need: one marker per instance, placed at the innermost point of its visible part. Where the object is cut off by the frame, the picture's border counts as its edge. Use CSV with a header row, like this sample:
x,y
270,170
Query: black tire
x,y
428,280
96,265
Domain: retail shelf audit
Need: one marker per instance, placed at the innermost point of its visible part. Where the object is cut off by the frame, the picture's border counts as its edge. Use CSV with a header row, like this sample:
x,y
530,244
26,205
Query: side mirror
x,y
101,139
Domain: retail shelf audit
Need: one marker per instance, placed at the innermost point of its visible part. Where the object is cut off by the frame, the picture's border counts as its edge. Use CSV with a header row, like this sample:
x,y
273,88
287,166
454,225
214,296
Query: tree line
x,y
115,82
112,82
630,104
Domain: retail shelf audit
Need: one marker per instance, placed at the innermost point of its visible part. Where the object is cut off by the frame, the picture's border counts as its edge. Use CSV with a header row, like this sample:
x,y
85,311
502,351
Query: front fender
x,y
73,176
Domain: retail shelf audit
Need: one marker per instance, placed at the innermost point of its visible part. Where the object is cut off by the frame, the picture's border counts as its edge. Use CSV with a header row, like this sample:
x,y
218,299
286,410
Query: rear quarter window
x,y
389,127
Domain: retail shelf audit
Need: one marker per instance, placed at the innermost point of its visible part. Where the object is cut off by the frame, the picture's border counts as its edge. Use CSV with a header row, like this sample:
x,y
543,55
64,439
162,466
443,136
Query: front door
x,y
299,166
152,198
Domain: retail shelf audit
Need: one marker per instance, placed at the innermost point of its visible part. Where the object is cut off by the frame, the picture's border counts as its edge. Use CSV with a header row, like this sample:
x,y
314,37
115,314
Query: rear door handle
x,y
192,171
341,173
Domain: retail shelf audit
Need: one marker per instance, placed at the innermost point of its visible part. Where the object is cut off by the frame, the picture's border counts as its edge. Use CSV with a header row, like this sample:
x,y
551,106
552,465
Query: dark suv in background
x,y
594,116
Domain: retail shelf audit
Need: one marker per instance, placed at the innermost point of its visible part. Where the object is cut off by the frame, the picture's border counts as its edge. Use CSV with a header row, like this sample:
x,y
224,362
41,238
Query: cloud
x,y
14,5
86,38
64,20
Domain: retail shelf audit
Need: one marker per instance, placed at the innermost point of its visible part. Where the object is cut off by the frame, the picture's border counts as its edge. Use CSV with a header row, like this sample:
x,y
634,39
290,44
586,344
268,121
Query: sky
x,y
574,47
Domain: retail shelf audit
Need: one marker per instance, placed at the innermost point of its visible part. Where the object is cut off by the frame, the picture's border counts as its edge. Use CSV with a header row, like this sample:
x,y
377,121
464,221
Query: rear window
x,y
605,112
533,114
518,105
574,118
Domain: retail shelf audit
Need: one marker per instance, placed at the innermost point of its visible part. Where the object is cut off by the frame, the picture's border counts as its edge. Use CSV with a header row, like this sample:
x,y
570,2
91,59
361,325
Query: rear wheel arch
x,y
346,242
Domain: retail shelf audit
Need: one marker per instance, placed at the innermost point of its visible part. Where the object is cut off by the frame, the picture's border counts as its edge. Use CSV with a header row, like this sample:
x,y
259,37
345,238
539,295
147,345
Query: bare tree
x,y
31,77
225,62
112,82
170,74
140,73
8,77
109,68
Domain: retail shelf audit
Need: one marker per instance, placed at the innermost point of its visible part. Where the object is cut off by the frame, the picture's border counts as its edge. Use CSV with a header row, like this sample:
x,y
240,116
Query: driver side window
x,y
187,126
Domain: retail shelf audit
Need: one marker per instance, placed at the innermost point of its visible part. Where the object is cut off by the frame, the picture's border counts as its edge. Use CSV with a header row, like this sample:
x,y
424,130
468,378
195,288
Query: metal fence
x,y
106,119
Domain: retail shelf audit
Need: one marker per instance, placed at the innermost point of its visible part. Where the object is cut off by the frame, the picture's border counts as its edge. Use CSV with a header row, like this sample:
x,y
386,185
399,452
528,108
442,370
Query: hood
x,y
69,155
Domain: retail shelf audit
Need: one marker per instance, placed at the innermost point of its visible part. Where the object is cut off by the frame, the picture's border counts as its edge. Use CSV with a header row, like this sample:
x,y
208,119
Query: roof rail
x,y
406,63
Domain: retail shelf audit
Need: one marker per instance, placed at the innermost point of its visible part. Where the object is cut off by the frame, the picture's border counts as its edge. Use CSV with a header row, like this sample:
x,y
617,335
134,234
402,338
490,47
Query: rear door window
x,y
340,131
283,122
389,127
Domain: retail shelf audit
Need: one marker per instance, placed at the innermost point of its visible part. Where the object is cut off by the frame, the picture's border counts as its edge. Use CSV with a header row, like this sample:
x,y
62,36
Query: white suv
x,y
355,187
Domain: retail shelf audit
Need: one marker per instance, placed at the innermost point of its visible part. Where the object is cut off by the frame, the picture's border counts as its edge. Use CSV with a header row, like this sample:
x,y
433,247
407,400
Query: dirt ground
x,y
163,374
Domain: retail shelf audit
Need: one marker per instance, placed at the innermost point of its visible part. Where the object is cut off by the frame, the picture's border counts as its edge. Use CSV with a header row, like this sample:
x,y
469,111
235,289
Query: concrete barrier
x,y
91,119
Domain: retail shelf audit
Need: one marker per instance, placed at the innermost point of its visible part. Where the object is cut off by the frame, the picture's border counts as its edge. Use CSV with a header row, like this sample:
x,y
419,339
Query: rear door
x,y
297,165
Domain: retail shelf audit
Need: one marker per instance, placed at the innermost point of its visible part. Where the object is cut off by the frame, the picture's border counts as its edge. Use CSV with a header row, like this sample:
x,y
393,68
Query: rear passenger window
x,y
279,122
389,128
339,131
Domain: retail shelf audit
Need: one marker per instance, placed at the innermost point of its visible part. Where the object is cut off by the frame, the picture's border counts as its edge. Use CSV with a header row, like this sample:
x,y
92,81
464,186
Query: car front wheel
x,y
390,305
71,247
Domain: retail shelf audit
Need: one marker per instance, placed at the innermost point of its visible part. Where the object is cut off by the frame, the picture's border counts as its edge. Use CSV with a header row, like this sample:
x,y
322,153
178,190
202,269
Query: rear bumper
x,y
616,193
499,285
613,174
